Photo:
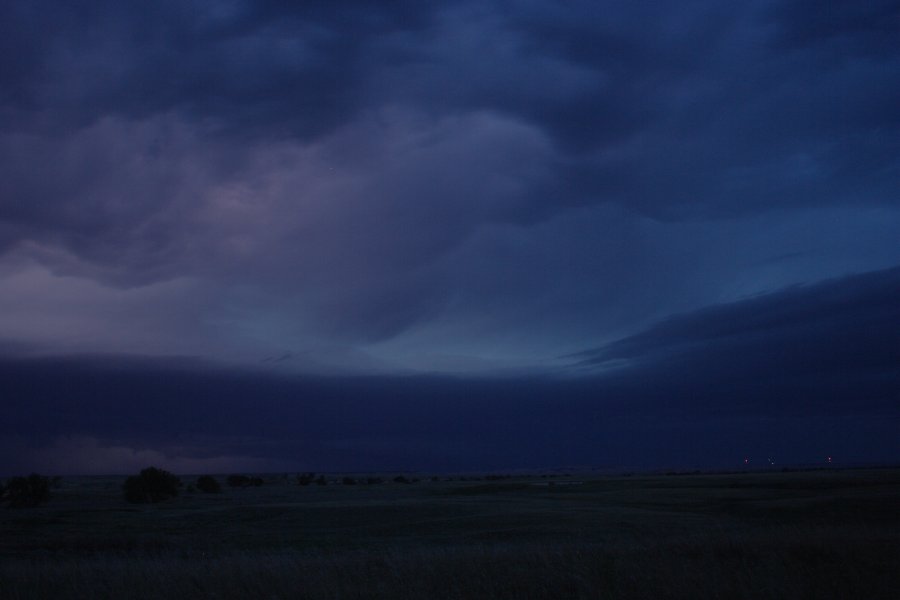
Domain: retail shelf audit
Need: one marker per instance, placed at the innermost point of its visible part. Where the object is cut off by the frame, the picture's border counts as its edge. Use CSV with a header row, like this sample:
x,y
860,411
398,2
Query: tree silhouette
x,y
150,486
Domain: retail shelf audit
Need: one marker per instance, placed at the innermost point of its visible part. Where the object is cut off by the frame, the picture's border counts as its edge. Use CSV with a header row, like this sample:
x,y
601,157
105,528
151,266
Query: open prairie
x,y
812,534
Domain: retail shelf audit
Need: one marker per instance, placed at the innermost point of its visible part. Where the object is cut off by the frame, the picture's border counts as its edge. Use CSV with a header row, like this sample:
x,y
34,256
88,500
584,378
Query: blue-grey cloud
x,y
489,182
833,346
800,373
861,305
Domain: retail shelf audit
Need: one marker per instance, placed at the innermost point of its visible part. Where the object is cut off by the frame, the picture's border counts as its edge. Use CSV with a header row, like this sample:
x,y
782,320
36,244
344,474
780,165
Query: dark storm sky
x,y
288,235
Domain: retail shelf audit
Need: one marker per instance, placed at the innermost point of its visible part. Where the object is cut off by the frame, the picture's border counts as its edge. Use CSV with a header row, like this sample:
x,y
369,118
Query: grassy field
x,y
815,534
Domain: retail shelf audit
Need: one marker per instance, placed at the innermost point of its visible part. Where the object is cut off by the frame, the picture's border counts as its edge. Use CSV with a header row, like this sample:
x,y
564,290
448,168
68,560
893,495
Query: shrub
x,y
306,478
244,481
349,481
320,480
238,481
401,479
150,486
27,492
208,484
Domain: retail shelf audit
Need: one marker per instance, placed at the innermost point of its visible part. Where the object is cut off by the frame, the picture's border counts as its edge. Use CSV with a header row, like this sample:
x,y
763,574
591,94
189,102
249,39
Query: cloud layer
x,y
447,234
799,375
369,185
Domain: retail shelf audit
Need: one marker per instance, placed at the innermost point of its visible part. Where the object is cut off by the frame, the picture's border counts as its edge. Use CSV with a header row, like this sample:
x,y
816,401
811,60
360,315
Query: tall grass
x,y
783,565
786,536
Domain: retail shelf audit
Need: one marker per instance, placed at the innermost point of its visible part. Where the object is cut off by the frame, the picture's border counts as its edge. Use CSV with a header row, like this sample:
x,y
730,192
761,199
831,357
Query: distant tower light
x,y
828,460
746,461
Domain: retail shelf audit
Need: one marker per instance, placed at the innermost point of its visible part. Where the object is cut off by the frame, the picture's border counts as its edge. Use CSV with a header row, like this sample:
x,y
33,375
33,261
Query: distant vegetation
x,y
792,536
26,492
244,481
306,478
208,484
150,486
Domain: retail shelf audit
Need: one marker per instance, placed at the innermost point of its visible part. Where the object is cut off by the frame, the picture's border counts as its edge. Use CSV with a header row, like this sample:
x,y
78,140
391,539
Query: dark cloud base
x,y
798,375
415,184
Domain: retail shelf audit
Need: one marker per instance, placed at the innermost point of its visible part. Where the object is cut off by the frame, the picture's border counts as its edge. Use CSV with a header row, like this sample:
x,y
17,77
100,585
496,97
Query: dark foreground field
x,y
818,534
